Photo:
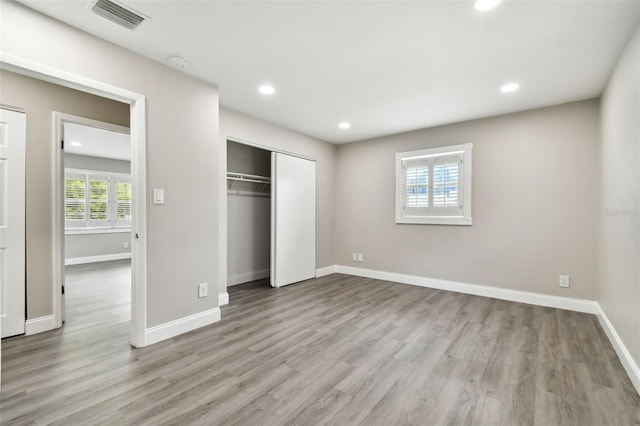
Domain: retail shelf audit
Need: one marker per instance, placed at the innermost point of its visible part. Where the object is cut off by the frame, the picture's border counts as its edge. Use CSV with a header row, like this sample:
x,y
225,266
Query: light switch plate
x,y
158,196
202,290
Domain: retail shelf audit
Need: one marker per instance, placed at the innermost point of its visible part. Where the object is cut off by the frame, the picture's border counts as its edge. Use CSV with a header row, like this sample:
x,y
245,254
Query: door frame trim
x,y
223,276
267,148
138,114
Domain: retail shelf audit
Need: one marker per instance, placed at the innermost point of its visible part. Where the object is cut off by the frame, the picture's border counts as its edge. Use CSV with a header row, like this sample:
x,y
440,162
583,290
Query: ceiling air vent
x,y
118,14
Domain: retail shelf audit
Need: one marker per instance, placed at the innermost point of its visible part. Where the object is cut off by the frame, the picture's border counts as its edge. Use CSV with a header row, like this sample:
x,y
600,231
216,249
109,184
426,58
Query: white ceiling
x,y
384,66
96,142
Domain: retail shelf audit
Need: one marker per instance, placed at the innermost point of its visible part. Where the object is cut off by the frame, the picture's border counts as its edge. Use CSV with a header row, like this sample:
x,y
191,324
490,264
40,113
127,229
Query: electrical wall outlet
x,y
202,290
354,257
360,257
564,281
125,245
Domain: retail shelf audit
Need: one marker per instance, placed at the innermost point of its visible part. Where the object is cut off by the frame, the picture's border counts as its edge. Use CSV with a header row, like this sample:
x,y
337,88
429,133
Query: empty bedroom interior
x,y
517,305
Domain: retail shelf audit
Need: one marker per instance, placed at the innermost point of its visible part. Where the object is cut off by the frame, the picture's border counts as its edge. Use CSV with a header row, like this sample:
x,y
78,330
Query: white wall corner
x,y
626,359
327,270
180,326
39,325
223,299
100,258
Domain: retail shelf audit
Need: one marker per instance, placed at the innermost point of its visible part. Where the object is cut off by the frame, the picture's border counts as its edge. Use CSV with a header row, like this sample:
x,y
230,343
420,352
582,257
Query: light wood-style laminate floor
x,y
337,350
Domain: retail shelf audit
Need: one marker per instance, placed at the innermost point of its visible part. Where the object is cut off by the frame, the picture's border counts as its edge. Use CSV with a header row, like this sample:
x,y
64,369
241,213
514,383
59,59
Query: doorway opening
x,y
248,214
137,104
97,209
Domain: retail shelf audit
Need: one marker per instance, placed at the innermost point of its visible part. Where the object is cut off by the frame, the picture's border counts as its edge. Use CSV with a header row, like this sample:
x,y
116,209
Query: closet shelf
x,y
245,177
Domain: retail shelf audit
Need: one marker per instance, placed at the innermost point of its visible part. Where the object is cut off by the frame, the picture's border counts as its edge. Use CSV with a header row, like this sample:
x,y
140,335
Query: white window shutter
x,y
122,201
447,181
416,175
98,200
75,193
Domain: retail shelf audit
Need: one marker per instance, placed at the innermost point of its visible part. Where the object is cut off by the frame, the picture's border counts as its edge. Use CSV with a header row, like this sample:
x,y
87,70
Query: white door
x,y
12,222
293,219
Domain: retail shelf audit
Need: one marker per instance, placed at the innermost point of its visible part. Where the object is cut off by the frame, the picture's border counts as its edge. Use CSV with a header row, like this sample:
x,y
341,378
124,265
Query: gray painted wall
x,y
249,215
619,237
535,180
182,148
248,245
241,127
86,245
39,100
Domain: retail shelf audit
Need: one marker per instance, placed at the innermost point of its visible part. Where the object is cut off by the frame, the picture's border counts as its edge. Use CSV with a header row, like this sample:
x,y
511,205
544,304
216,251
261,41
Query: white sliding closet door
x,y
12,222
293,219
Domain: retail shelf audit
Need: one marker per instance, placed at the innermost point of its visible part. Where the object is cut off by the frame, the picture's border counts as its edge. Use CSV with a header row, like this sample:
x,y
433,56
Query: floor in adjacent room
x,y
337,350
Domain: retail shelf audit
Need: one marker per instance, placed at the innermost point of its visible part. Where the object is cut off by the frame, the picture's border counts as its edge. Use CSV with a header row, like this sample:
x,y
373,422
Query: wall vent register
x,y
118,14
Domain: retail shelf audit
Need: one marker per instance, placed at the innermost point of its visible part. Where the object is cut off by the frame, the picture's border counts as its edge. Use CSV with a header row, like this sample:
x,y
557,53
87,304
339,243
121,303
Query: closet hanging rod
x,y
266,182
247,177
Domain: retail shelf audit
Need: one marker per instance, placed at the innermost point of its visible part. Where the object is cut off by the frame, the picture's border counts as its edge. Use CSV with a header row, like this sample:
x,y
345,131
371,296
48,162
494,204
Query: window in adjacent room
x,y
433,186
96,199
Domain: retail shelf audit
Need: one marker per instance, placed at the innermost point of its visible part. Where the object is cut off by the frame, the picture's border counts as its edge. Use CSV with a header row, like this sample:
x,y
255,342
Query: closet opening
x,y
271,216
248,215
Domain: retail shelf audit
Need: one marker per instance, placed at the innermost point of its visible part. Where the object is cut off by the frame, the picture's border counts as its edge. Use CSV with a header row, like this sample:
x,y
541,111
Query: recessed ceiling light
x,y
509,87
267,89
76,144
484,5
344,125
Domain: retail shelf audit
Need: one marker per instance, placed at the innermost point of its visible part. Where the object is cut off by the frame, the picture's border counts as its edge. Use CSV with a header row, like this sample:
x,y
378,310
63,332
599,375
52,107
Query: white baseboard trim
x,y
39,325
223,298
327,270
183,325
578,305
626,359
100,258
246,277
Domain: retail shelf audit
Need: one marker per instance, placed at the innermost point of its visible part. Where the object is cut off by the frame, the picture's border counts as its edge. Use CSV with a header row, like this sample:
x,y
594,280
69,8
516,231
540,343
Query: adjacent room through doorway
x,y
97,217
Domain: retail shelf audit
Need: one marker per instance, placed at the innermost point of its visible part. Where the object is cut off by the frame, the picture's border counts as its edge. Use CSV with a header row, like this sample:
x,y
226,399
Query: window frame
x,y
435,215
89,225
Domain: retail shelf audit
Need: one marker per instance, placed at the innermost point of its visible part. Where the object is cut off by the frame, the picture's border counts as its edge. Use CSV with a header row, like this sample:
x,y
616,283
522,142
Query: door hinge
x,y
63,289
62,144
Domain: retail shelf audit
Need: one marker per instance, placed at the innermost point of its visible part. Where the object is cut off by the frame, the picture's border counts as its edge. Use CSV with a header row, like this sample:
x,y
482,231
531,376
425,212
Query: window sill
x,y
434,220
85,231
